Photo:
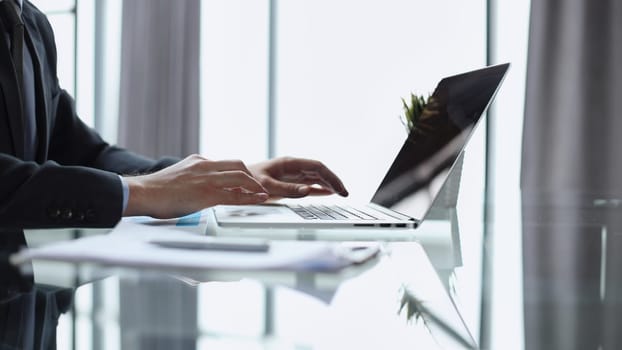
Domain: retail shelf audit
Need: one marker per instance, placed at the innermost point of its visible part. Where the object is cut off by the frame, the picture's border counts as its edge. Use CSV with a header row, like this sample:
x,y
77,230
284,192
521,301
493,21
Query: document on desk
x,y
137,245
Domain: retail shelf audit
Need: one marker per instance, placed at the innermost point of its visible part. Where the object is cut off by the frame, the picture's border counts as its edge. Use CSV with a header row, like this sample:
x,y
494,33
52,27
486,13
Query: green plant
x,y
414,308
416,311
413,109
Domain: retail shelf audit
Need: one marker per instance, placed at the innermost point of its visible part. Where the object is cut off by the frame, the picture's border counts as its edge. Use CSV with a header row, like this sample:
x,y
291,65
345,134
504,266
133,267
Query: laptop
x,y
431,152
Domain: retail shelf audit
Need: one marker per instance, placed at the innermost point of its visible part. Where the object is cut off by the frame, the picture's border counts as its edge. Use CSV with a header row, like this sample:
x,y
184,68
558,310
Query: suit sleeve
x,y
74,143
50,195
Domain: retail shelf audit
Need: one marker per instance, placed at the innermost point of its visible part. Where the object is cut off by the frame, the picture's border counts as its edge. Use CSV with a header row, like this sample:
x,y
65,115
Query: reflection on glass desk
x,y
395,301
571,270
548,278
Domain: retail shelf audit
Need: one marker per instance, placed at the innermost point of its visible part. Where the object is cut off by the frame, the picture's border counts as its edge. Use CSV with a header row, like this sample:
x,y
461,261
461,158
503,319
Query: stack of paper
x,y
137,245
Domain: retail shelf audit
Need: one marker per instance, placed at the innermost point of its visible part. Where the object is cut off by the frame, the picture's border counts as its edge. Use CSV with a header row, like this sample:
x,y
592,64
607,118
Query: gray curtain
x,y
159,91
573,117
159,116
571,178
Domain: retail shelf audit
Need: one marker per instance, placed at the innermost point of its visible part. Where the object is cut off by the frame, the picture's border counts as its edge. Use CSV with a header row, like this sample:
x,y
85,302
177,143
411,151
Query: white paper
x,y
128,246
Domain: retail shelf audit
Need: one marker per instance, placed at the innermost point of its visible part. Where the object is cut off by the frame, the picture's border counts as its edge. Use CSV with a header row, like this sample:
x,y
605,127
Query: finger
x,y
298,185
333,181
241,197
238,178
313,178
313,168
319,191
278,188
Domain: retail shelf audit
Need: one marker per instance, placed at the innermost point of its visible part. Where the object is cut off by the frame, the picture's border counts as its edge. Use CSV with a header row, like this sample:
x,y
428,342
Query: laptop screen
x,y
433,145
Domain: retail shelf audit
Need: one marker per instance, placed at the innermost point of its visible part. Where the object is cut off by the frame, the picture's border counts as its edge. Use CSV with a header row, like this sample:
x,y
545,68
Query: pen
x,y
250,246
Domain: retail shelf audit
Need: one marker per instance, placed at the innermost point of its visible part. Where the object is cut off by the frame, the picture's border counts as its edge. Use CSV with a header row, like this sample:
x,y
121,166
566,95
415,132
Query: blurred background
x,y
253,79
296,77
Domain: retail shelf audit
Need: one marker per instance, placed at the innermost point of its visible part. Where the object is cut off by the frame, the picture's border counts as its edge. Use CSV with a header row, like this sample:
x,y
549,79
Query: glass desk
x,y
396,300
543,273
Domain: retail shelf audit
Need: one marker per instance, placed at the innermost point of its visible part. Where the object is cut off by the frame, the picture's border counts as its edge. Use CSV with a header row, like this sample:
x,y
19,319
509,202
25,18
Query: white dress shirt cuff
x,y
126,192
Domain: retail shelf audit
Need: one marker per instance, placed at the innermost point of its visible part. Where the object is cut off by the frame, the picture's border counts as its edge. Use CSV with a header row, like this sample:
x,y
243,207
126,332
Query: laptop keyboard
x,y
333,212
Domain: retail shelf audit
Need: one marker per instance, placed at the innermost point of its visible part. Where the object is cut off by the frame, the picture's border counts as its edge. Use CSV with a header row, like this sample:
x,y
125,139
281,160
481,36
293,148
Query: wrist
x,y
136,202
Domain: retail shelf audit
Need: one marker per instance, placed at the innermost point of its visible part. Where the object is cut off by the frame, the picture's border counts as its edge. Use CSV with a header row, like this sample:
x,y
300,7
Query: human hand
x,y
296,177
190,185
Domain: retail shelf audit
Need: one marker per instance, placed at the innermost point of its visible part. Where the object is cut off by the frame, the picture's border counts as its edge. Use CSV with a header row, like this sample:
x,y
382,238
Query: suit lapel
x,y
10,90
34,44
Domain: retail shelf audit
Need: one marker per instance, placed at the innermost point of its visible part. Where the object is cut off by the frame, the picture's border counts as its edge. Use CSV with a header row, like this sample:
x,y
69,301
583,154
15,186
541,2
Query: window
x,y
72,23
340,69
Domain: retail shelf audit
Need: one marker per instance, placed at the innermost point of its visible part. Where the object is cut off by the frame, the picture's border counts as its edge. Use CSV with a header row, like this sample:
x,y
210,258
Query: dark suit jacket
x,y
74,181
